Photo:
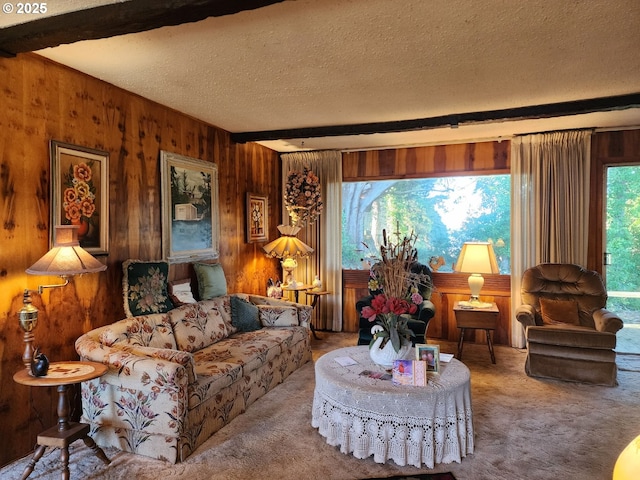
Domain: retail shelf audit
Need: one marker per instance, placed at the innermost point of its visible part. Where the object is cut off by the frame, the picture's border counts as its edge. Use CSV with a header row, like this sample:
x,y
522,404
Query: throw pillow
x,y
180,292
211,280
278,316
144,287
559,311
244,315
197,325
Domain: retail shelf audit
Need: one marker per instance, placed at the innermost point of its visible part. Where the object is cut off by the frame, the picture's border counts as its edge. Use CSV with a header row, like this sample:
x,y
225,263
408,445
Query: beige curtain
x,y
323,235
549,205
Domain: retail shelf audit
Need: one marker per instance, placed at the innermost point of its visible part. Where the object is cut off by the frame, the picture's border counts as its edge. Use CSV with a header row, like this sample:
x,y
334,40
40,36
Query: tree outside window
x,y
444,213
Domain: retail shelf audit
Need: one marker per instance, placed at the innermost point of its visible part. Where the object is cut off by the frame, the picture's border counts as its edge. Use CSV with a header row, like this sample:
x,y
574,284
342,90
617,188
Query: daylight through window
x,y
444,213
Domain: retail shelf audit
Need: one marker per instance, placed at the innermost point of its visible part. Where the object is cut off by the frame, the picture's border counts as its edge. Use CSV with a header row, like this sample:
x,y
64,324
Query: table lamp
x,y
476,258
287,247
627,466
65,259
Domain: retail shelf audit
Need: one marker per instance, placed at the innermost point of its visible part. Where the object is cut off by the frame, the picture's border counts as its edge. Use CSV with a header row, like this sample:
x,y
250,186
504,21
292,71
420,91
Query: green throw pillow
x,y
144,285
244,315
211,280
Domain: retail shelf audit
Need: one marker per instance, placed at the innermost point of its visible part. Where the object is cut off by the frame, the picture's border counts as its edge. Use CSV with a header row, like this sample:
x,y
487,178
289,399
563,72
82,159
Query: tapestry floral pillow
x,y
145,287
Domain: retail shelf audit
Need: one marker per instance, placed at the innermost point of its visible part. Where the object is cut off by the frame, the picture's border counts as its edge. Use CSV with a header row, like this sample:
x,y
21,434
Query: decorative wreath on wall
x,y
302,196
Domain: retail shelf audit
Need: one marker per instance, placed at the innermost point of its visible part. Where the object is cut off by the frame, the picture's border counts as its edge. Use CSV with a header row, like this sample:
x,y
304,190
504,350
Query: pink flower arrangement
x,y
381,305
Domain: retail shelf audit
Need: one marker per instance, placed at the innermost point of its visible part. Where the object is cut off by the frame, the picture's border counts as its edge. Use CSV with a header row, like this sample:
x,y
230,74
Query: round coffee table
x,y
410,425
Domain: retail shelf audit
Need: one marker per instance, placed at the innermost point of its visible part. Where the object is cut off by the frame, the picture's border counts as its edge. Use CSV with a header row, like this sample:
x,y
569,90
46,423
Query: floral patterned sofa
x,y
177,377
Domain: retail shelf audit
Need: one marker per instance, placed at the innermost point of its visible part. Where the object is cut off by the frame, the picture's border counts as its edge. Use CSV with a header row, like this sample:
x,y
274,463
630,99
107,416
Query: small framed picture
x,y
429,354
257,218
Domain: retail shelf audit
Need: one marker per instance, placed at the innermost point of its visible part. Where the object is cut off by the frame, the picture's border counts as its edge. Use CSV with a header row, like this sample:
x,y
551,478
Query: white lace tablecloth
x,y
409,425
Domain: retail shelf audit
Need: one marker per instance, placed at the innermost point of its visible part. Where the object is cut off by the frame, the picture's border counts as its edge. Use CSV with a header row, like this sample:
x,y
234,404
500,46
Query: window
x,y
443,212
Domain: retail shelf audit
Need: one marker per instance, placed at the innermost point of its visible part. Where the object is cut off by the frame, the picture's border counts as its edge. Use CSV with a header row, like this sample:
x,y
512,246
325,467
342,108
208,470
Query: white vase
x,y
386,355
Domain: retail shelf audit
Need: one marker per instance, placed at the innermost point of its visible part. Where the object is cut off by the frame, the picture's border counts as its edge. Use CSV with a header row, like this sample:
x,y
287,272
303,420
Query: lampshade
x,y
477,257
67,257
287,245
628,464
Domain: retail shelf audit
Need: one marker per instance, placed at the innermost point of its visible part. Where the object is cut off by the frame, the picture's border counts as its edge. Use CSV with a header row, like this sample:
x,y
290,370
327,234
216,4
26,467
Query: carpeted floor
x,y
524,429
424,476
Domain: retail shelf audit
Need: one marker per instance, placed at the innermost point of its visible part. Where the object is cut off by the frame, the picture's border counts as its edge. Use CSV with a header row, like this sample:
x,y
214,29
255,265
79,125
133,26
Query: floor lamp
x,y
288,248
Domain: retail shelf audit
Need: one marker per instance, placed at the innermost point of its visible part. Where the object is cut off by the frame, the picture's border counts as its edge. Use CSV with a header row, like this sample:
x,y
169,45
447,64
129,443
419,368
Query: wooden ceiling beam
x,y
533,112
114,19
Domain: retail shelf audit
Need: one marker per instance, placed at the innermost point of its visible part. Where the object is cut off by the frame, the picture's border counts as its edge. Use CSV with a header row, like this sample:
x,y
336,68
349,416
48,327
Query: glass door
x,y
622,251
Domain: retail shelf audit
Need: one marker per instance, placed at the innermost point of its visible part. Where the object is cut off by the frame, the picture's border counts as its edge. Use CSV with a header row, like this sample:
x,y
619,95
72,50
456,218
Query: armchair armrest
x,y
526,315
363,302
607,321
427,311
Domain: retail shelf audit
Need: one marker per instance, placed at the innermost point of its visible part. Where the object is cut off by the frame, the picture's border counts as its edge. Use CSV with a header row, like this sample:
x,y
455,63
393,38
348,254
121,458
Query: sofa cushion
x,y
244,315
571,336
197,325
278,316
554,311
211,280
144,286
221,364
146,331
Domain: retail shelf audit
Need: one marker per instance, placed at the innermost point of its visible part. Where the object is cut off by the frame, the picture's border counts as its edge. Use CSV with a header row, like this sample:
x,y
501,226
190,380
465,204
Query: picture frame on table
x,y
257,218
430,354
79,194
190,208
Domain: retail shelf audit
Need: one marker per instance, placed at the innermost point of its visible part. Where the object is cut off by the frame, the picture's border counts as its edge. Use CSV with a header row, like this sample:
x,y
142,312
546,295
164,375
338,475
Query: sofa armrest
x,y
138,367
526,315
304,311
607,321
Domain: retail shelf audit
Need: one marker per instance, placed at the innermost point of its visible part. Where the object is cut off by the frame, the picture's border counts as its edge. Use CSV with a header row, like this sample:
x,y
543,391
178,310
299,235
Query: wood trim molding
x,y
114,19
529,112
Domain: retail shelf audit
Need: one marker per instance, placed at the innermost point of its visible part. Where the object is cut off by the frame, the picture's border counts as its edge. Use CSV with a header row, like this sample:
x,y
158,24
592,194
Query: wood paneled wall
x,y
433,161
42,100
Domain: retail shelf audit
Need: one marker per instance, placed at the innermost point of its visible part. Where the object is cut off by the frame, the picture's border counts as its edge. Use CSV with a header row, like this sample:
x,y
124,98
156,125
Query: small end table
x,y
63,375
315,295
476,318
296,290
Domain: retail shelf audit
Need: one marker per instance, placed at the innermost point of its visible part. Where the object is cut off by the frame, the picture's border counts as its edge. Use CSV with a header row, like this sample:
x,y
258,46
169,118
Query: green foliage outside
x,y
623,236
443,212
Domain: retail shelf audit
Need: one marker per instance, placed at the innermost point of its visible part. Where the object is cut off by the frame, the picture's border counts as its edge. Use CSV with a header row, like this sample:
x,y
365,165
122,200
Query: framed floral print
x,y
257,218
190,220
80,194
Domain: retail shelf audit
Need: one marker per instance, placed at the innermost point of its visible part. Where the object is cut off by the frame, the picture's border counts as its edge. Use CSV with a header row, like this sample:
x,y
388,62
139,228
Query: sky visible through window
x,y
443,212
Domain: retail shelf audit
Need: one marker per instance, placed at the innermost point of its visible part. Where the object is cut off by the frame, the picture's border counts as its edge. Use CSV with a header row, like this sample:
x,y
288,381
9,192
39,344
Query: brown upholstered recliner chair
x,y
570,334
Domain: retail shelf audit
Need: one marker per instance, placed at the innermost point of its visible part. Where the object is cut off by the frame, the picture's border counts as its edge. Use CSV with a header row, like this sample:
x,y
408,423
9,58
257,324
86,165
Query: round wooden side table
x,y
62,375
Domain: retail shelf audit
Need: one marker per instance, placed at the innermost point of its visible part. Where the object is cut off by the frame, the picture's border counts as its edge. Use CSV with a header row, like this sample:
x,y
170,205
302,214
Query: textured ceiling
x,y
308,63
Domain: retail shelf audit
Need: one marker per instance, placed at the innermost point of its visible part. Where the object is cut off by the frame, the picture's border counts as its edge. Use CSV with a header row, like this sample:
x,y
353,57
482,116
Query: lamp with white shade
x,y
67,258
288,248
476,258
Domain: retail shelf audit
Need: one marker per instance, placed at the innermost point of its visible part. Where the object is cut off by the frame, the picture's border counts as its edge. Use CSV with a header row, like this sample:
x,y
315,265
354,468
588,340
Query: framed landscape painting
x,y
190,221
257,219
80,194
